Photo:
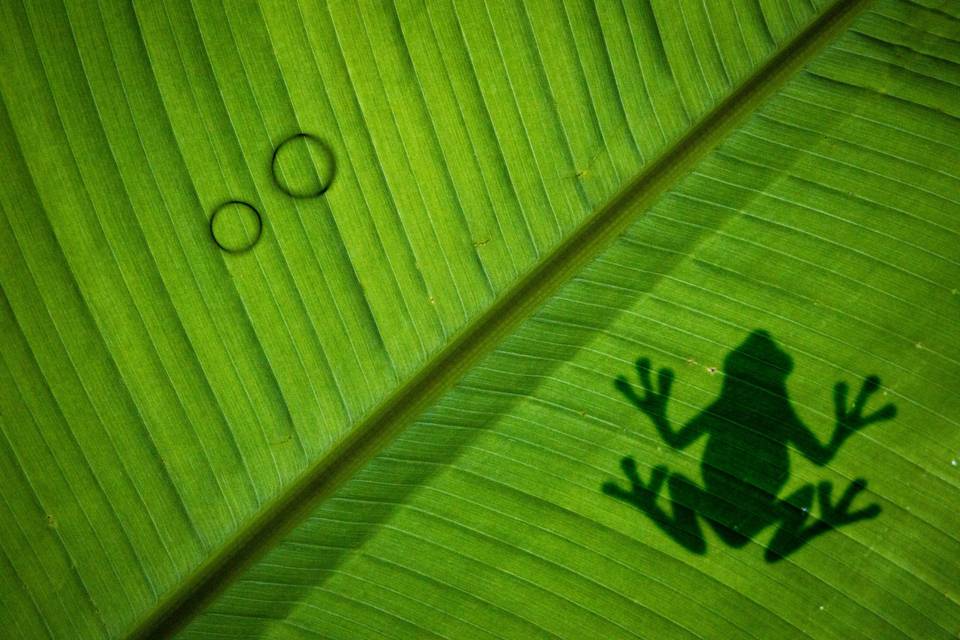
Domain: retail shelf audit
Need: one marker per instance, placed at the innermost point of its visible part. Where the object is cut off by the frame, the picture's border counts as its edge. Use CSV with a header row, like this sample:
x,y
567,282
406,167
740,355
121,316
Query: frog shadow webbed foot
x,y
793,534
653,402
640,494
681,524
854,419
839,514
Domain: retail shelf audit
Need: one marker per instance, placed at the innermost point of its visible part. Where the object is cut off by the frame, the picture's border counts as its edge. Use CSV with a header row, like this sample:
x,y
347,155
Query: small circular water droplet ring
x,y
236,207
313,144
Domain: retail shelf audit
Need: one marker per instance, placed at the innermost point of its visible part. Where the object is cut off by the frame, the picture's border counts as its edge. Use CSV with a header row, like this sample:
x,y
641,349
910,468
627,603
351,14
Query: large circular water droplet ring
x,y
303,166
236,226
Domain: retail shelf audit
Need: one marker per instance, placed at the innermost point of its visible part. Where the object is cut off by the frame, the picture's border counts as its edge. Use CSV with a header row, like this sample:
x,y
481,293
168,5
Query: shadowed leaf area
x,y
746,464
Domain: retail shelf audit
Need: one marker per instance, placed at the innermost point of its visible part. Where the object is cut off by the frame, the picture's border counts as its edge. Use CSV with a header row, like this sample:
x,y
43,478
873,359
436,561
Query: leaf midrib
x,y
479,337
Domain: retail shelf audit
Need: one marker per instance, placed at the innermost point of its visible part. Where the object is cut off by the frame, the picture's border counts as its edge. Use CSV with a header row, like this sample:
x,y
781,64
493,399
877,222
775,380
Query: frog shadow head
x,y
759,361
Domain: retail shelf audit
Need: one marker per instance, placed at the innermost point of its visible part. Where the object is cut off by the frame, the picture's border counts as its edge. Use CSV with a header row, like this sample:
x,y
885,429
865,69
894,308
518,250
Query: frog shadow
x,y
751,428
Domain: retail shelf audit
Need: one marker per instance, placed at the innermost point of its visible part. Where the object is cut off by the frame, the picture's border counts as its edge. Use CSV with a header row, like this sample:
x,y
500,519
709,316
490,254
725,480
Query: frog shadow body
x,y
746,460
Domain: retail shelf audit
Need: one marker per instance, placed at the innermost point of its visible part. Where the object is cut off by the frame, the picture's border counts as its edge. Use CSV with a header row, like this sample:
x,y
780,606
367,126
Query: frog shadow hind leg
x,y
682,524
791,535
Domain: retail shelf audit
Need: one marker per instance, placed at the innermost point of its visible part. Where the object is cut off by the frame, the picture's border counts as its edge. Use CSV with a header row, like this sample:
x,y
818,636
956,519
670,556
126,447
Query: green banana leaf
x,y
580,319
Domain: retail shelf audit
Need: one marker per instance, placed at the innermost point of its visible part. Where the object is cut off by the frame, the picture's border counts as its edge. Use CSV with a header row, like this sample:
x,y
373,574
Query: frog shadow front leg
x,y
682,524
793,533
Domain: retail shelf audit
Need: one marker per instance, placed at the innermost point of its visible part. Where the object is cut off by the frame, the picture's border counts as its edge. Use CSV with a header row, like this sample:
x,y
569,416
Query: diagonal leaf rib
x,y
373,433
